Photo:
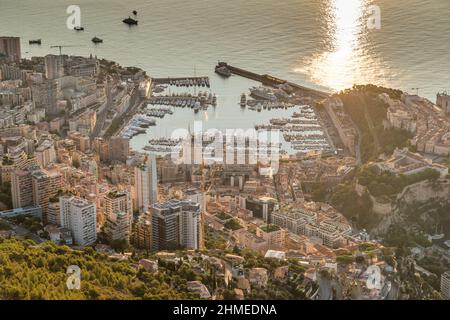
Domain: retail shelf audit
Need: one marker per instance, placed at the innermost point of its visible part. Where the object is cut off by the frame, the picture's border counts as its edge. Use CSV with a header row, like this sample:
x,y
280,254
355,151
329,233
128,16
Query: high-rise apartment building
x,y
118,201
118,226
21,189
50,93
176,224
46,184
54,67
10,49
119,214
53,213
80,217
145,184
142,232
191,225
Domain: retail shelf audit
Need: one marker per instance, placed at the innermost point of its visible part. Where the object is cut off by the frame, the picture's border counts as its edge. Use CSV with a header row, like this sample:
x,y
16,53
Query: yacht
x,y
130,21
38,41
243,100
96,40
262,93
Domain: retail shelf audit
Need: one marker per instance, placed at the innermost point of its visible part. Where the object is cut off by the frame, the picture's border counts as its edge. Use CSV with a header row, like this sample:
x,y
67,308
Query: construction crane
x,y
63,46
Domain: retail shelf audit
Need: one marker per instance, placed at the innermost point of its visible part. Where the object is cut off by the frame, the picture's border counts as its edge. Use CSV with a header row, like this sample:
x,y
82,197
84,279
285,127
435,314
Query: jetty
x,y
272,81
183,81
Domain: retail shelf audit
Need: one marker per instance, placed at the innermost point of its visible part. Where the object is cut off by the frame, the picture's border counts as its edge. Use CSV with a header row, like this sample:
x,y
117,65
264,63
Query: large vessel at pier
x,y
263,93
223,71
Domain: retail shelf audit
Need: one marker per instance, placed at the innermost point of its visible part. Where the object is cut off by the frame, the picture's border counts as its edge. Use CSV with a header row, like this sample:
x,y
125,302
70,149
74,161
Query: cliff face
x,y
381,206
420,193
425,191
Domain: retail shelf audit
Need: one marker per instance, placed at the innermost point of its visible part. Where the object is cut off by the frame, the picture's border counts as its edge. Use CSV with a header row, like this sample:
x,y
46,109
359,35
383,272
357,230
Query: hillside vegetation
x,y
28,271
368,113
387,184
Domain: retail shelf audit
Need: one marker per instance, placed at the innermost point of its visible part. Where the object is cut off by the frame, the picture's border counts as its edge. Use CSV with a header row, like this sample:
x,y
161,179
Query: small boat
x,y
78,28
130,21
197,107
243,100
37,41
96,40
135,12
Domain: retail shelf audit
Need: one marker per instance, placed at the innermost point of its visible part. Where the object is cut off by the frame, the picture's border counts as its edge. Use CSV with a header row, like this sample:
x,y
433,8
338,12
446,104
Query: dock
x,y
272,81
183,81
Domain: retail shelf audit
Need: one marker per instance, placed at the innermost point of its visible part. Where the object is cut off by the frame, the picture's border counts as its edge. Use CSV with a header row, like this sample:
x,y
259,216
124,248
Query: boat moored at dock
x,y
223,71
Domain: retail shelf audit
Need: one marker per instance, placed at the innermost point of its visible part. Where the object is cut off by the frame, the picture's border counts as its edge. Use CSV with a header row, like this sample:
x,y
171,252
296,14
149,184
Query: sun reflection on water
x,y
345,59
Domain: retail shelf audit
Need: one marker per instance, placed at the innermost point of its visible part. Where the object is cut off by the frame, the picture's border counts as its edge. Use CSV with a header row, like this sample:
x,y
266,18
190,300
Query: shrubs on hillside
x,y
387,184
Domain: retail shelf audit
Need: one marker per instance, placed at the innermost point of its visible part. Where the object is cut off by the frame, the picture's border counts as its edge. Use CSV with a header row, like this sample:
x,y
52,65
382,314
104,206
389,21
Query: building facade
x,y
176,224
10,49
80,217
445,285
145,184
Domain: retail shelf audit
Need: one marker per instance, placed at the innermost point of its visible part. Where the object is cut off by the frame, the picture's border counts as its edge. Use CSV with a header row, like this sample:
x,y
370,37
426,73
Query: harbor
x,y
272,105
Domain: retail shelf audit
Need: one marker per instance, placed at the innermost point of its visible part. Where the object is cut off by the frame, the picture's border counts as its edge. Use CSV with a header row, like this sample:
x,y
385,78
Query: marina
x,y
244,146
157,112
199,102
303,131
291,115
259,105
137,125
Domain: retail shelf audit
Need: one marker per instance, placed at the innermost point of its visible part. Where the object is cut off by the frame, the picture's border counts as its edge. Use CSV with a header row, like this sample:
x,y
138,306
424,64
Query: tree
x,y
119,245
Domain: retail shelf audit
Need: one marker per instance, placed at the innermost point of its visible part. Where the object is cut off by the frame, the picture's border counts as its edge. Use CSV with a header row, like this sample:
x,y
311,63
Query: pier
x,y
183,81
272,81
